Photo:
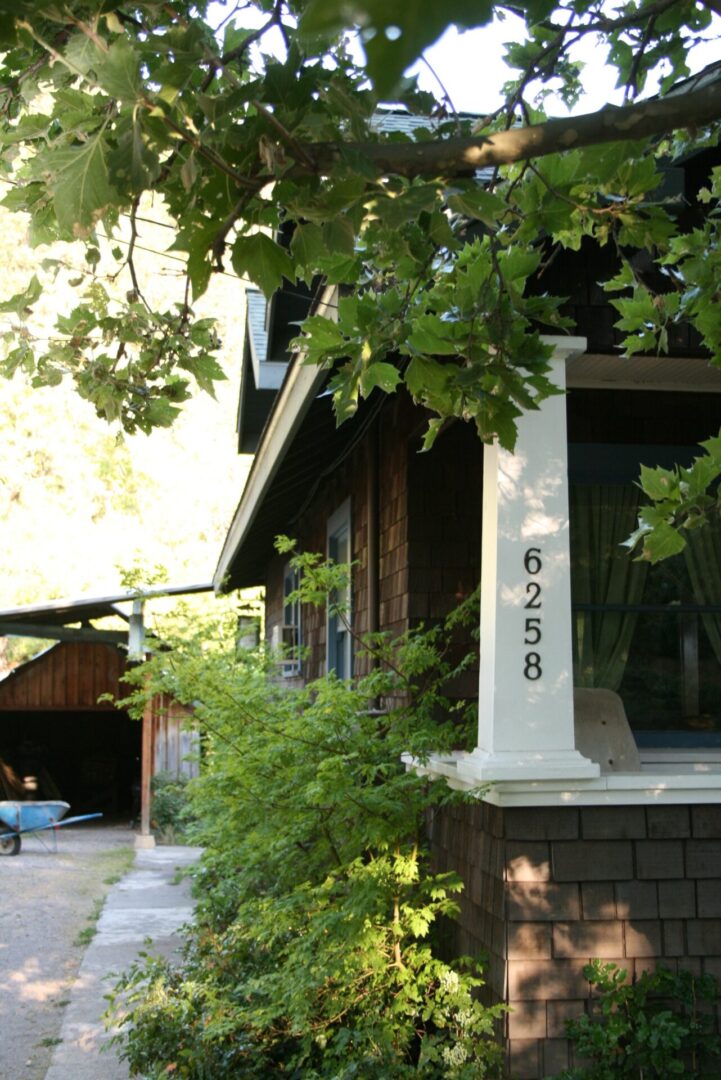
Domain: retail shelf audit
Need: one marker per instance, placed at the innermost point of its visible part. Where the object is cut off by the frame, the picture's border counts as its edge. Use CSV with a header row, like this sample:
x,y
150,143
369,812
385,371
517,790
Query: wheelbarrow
x,y
19,818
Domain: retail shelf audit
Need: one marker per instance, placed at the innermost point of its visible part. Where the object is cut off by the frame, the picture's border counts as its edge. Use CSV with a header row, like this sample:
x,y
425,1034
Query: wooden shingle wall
x,y
350,480
548,889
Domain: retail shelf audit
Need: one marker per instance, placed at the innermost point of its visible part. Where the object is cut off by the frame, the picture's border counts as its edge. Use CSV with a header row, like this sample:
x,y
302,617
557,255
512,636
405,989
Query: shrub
x,y
314,952
655,1026
170,811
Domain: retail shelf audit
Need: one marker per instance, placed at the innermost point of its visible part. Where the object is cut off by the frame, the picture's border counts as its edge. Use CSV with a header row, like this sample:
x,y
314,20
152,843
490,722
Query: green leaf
x,y
382,375
340,269
432,432
480,204
307,245
437,336
427,379
263,261
339,235
663,541
658,483
320,337
406,206
207,371
132,165
518,264
119,72
80,186
82,53
22,301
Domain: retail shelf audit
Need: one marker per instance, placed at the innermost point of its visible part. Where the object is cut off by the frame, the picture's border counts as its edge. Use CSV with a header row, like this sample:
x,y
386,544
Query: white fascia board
x,y
301,386
270,374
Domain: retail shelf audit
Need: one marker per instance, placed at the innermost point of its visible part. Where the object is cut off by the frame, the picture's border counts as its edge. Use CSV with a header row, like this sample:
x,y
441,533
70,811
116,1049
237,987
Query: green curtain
x,y
603,572
703,561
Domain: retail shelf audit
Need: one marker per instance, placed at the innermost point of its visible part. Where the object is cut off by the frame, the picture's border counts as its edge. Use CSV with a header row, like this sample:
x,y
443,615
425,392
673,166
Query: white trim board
x,y
689,782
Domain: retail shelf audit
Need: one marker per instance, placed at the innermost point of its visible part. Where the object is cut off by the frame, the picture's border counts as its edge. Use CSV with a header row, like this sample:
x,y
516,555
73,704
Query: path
x,y
147,903
46,899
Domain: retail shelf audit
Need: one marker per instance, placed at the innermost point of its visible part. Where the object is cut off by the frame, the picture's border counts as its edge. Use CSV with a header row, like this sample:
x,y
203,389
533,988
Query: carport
x,y
54,727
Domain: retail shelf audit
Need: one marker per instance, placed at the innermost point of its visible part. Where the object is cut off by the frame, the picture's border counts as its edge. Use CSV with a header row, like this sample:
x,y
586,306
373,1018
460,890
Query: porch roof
x,y
301,442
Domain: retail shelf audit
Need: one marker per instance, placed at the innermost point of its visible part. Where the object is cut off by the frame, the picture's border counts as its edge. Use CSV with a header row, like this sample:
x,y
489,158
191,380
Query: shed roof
x,y
63,612
58,619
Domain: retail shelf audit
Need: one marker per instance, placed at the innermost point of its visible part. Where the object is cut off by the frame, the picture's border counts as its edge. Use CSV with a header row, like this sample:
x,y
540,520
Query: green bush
x,y
170,811
653,1027
315,951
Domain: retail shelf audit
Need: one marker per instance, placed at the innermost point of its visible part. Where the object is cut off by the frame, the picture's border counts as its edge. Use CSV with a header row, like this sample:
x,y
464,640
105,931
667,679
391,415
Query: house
x,y
599,689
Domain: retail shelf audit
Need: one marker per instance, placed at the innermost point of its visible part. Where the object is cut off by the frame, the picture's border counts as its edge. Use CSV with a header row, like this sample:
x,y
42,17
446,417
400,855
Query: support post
x,y
525,722
145,839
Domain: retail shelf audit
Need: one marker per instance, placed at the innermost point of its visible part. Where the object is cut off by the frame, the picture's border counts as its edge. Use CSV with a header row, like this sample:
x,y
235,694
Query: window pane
x,y
648,632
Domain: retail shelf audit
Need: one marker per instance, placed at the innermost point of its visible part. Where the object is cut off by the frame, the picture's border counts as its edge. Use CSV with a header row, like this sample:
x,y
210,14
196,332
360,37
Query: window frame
x,y
291,665
338,528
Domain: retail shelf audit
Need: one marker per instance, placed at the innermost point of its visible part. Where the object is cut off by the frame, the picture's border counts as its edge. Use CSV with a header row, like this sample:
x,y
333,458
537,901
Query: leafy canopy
x,y
266,122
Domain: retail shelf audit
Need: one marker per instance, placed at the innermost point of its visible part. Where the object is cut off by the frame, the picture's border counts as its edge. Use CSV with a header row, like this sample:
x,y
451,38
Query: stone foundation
x,y
550,888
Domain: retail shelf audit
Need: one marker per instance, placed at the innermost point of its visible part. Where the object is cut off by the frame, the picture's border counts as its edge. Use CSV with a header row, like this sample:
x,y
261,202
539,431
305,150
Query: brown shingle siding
x,y
540,908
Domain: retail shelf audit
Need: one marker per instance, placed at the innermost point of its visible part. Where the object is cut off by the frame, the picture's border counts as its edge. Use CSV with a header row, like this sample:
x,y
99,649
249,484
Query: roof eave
x,y
300,387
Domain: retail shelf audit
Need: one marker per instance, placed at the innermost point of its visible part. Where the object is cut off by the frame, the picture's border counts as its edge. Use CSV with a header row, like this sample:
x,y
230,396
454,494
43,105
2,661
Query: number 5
x,y
533,627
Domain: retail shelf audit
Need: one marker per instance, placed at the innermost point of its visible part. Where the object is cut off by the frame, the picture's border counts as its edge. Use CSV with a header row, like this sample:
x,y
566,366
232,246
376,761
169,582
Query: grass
x,y
50,1041
84,937
115,863
118,861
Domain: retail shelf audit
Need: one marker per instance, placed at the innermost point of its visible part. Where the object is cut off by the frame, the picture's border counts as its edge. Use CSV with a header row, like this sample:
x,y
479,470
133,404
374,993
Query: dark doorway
x,y
91,759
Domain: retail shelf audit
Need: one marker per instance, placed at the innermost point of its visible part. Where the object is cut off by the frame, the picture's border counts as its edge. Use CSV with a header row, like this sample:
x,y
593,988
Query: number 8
x,y
532,670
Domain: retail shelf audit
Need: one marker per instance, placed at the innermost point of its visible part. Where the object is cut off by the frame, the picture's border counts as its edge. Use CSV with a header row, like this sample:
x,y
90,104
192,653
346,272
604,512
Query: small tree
x,y
315,951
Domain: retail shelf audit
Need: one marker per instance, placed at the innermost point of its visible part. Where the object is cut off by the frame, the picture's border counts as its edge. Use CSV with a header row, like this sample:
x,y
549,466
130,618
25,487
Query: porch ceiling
x,y
664,373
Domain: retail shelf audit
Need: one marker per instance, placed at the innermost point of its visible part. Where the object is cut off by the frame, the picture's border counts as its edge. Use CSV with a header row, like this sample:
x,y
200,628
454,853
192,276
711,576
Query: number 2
x,y
533,591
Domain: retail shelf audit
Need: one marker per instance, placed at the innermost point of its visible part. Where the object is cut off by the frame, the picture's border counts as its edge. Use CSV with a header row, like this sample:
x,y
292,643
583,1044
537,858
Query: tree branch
x,y
455,157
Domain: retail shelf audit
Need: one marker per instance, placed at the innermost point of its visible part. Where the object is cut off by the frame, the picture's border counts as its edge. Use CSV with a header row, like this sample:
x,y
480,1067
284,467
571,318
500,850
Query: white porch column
x,y
525,721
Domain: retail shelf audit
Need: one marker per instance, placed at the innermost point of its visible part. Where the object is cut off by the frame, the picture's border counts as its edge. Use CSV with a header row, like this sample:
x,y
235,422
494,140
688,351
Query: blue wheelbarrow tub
x,y
27,816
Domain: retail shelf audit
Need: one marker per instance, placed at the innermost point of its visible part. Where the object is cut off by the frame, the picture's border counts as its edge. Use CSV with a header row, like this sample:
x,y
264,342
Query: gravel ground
x,y
46,899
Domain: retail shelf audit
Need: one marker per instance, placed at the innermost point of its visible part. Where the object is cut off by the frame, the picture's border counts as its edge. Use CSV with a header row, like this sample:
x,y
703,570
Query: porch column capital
x,y
525,724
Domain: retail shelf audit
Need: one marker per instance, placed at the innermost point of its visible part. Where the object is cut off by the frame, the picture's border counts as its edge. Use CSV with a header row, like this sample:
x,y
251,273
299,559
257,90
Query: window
x,y
652,633
339,656
290,637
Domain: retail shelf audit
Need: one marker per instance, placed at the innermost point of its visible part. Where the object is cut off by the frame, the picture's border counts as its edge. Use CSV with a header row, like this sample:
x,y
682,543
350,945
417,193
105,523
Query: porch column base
x,y
481,765
144,841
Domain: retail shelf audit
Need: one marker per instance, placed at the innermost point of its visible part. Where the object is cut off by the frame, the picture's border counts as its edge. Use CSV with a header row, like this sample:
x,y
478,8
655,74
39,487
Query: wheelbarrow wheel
x,y
10,845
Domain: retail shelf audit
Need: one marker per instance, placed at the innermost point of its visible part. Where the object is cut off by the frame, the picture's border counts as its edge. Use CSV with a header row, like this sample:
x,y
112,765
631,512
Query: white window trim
x,y
338,522
291,666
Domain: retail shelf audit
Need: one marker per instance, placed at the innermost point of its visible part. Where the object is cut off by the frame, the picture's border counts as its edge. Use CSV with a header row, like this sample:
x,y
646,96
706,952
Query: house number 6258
x,y
532,564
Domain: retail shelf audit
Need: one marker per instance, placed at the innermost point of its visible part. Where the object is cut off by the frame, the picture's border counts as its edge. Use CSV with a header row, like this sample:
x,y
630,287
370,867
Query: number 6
x,y
532,561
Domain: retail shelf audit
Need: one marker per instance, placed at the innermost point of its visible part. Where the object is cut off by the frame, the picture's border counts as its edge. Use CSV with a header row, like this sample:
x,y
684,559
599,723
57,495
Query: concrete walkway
x,y
145,904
